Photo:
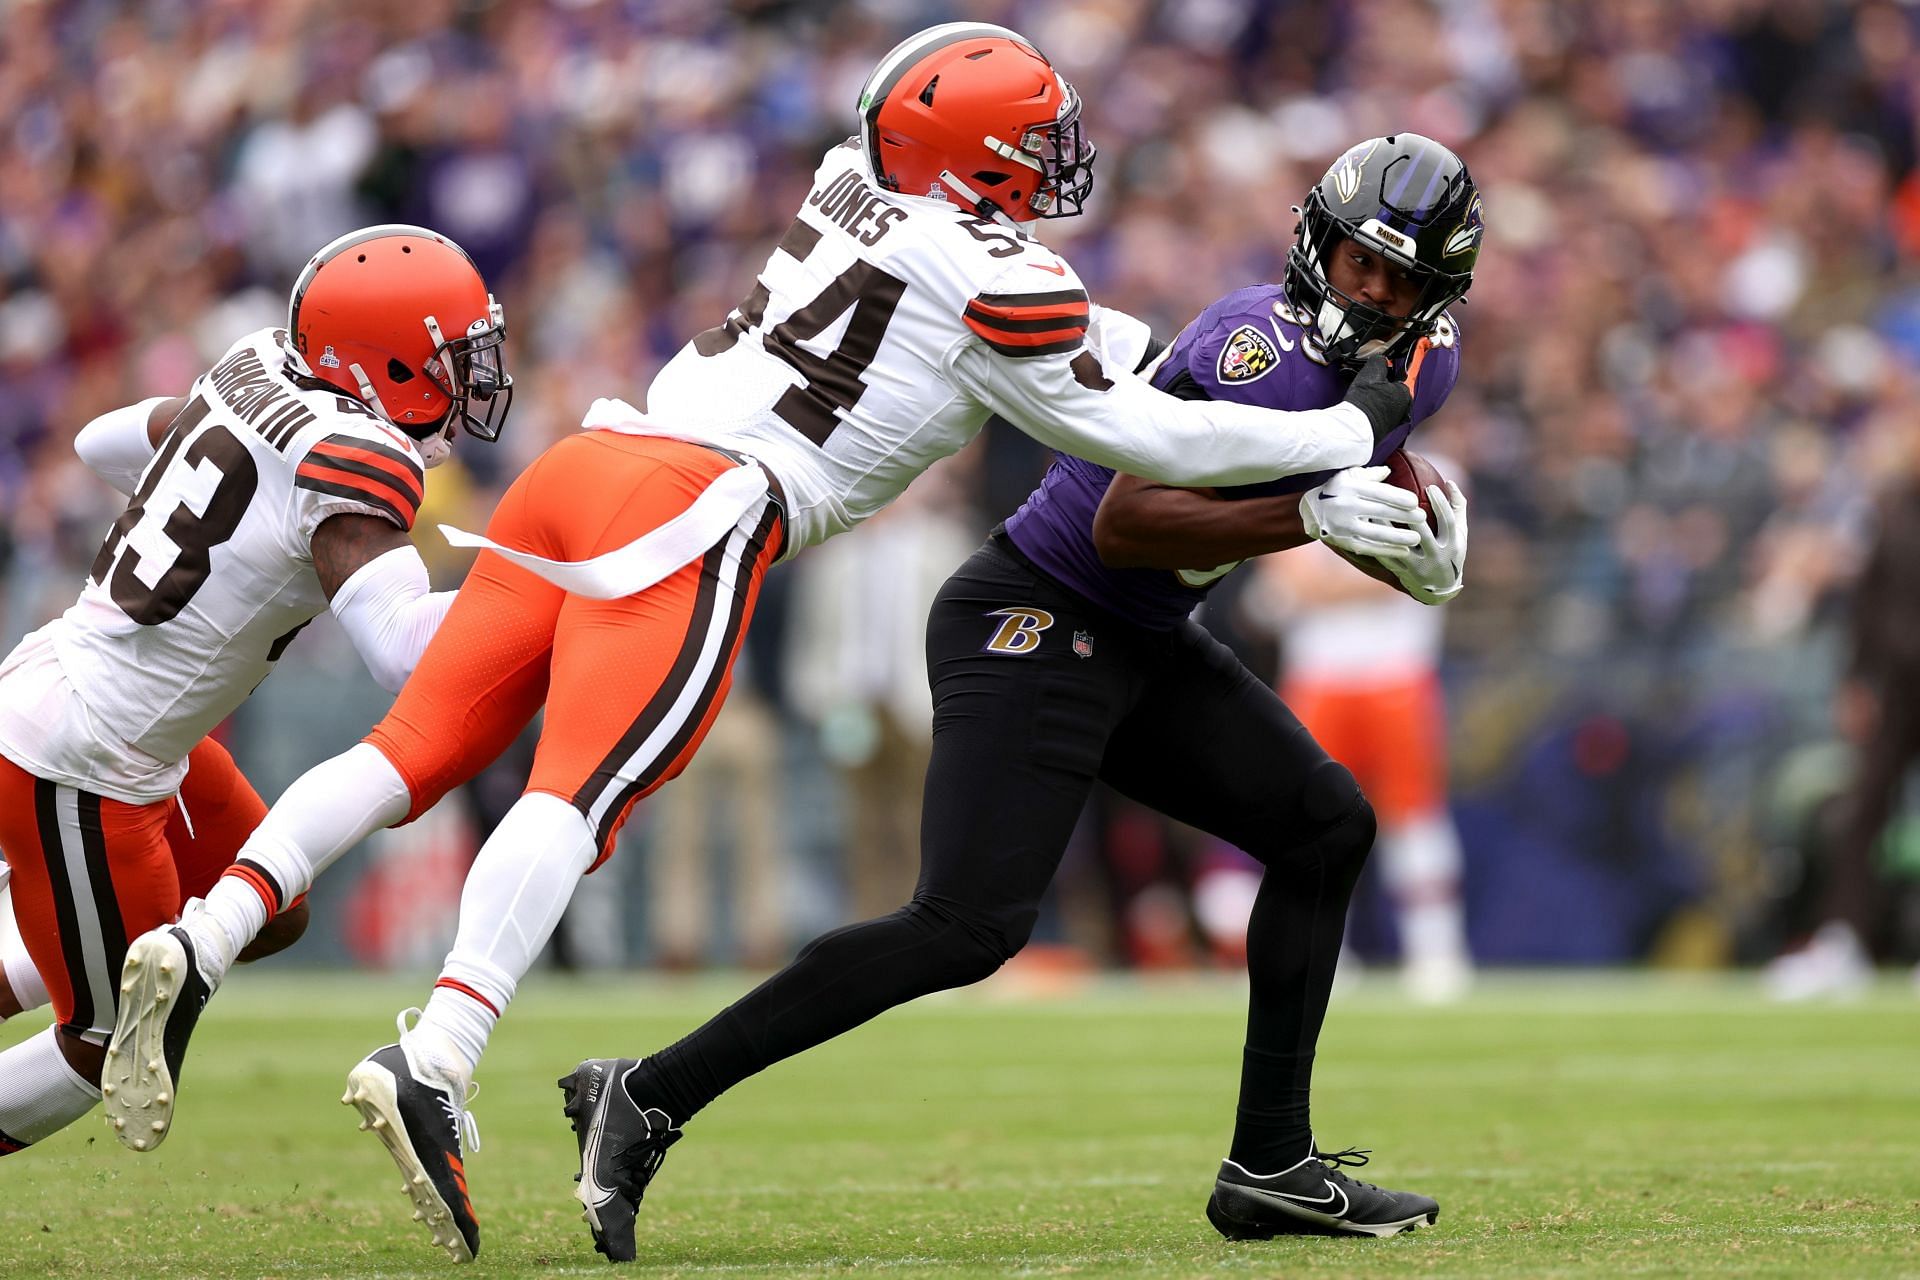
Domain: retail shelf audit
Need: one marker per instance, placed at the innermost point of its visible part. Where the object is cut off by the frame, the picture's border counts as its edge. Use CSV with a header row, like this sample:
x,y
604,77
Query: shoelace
x,y
1352,1157
639,1162
466,1128
462,1119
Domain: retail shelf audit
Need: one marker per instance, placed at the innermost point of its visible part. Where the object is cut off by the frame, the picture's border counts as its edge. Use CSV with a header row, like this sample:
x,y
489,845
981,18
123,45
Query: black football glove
x,y
1377,392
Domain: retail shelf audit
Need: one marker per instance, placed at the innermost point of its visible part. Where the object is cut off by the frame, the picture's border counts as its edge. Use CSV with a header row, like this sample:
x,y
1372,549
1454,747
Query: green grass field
x,y
1569,1127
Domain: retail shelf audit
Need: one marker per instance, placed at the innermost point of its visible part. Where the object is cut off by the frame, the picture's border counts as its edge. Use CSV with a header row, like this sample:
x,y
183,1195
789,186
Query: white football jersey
x,y
886,328
205,577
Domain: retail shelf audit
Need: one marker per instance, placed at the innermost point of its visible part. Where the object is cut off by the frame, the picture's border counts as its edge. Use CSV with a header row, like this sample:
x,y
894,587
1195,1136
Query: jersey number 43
x,y
154,523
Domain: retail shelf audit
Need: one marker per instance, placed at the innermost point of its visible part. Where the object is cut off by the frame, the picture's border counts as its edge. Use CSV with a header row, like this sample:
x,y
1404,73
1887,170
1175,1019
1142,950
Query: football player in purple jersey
x,y
1062,652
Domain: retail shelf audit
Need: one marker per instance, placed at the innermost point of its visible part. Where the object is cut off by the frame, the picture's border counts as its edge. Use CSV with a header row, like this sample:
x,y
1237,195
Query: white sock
x,y
1421,865
23,976
329,809
519,886
39,1093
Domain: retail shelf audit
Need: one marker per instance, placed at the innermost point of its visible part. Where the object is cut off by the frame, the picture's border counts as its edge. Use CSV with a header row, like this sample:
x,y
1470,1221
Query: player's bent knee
x,y
971,945
1334,804
971,959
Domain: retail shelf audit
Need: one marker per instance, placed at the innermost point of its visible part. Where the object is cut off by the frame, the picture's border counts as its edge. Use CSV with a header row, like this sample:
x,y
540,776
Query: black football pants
x,y
1036,694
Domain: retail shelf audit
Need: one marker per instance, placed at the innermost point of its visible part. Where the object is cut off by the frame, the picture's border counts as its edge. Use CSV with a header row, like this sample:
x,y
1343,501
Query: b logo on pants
x,y
1019,631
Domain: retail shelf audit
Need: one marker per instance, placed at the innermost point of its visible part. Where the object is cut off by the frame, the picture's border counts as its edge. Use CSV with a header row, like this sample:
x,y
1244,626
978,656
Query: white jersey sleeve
x,y
1033,361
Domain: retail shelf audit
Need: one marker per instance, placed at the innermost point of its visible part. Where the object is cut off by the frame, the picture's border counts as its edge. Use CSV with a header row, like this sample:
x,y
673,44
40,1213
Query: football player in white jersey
x,y
907,303
280,486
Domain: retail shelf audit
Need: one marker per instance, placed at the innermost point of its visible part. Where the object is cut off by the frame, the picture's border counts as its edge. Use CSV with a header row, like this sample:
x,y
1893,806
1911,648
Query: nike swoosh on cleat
x,y
1057,269
1314,1203
591,1192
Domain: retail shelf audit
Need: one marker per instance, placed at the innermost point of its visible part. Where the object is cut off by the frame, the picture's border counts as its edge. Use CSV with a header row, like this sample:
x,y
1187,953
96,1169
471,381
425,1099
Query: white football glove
x,y
1358,512
1437,567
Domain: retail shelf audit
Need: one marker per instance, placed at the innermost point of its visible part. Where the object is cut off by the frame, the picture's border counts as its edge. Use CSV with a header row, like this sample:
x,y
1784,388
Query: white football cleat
x,y
162,991
1833,965
1437,979
418,1110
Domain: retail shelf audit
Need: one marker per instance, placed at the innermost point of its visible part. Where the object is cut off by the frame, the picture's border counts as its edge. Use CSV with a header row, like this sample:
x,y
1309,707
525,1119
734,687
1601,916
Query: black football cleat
x,y
421,1121
162,992
1313,1198
622,1146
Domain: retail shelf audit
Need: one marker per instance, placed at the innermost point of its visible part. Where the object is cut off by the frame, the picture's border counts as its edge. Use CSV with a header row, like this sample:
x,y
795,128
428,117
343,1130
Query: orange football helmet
x,y
398,317
974,113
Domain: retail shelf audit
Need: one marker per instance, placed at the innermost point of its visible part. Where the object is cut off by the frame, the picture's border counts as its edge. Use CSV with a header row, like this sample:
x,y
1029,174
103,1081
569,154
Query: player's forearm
x,y
118,445
1163,528
1214,442
1110,417
390,614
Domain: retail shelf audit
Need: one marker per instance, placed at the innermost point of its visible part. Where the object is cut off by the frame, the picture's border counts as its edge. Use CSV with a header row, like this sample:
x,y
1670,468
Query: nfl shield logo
x,y
1083,644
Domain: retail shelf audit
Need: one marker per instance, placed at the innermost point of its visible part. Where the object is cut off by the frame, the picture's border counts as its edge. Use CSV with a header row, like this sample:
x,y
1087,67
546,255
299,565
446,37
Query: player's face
x,y
1370,277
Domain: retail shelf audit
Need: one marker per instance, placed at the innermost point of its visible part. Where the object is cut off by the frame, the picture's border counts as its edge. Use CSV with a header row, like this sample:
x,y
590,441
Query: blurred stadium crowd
x,y
1692,355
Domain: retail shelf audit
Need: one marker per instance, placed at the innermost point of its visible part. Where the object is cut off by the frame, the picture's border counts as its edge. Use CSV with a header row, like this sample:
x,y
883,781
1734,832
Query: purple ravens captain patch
x,y
1247,356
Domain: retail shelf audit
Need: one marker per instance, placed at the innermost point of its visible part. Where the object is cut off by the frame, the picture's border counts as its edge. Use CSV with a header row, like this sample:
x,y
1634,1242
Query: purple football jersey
x,y
1251,346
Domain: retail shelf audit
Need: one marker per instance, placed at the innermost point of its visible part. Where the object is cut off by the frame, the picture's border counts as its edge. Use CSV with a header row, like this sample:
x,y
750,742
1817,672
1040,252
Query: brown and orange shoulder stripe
x,y
382,477
1030,324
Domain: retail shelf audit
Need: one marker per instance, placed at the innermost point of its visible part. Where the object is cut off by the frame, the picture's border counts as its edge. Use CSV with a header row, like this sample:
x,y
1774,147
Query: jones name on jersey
x,y
205,577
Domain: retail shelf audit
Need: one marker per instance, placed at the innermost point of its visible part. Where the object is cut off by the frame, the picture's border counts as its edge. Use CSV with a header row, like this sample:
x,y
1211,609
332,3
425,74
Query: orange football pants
x,y
1393,736
90,872
630,685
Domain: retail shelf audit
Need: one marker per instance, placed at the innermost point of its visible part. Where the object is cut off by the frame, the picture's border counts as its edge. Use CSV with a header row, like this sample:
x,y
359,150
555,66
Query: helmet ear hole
x,y
988,178
398,372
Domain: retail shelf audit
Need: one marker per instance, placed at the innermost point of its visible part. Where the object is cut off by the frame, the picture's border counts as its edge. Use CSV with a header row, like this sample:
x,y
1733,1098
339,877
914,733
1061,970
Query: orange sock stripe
x,y
258,883
466,990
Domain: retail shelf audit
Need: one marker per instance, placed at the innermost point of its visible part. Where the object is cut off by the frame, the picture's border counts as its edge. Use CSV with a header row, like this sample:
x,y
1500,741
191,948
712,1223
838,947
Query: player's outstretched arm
x,y
1074,403
118,445
377,586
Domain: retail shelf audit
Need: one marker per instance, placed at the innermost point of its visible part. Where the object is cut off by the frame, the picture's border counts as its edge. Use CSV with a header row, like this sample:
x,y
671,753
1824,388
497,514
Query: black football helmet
x,y
1408,198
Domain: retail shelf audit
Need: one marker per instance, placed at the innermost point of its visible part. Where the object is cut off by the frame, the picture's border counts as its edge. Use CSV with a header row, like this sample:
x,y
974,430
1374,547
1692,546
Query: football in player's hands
x,y
1414,473
1409,471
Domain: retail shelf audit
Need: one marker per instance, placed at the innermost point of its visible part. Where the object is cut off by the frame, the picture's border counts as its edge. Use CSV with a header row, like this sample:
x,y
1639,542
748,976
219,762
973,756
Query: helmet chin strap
x,y
368,396
977,202
434,449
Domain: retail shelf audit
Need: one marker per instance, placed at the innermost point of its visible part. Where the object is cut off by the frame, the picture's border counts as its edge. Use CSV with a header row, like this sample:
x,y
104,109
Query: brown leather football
x,y
1414,473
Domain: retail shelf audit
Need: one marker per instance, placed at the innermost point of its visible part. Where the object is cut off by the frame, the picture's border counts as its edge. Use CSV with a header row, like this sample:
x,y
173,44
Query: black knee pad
x,y
1334,804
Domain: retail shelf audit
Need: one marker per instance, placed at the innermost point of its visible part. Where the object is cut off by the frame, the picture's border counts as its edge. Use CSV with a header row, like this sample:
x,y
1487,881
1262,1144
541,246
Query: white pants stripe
x,y
690,701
